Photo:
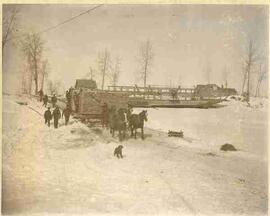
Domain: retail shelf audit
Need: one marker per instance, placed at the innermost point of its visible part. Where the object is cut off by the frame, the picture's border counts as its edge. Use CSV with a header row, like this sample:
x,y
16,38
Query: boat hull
x,y
175,103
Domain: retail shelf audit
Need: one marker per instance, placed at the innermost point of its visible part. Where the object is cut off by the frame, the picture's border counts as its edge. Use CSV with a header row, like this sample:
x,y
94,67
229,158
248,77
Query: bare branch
x,y
9,25
115,71
104,61
145,60
32,46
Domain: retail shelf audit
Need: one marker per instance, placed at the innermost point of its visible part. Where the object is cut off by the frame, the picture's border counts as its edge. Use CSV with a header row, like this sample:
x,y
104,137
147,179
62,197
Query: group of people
x,y
56,113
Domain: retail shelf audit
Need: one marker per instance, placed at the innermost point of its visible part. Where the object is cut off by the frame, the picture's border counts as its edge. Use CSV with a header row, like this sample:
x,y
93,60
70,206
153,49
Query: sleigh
x,y
175,134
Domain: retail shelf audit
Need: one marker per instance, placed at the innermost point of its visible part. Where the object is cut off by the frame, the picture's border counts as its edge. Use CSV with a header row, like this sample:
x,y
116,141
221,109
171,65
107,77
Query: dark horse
x,y
117,122
137,121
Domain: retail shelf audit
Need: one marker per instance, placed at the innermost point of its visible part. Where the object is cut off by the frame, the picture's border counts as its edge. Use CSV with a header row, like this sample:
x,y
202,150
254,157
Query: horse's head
x,y
143,115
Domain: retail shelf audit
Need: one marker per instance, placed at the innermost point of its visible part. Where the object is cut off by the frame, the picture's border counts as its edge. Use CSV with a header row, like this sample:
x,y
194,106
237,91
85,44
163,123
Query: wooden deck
x,y
153,96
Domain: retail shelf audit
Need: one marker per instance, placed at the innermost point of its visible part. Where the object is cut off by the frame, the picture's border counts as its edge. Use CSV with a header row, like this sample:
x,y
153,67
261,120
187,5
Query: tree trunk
x,y
42,81
144,77
104,71
30,75
259,82
30,82
36,76
258,88
248,79
244,82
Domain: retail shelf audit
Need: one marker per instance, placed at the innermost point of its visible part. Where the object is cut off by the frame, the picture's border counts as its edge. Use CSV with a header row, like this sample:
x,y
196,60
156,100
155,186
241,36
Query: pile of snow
x,y
235,98
255,102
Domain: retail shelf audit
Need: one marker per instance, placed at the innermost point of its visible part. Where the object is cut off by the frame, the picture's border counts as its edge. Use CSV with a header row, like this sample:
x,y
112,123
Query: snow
x,y
71,170
246,127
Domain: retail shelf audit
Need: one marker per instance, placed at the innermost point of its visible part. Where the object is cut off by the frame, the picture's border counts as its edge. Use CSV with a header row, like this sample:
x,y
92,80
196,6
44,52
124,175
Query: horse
x,y
117,121
137,121
128,115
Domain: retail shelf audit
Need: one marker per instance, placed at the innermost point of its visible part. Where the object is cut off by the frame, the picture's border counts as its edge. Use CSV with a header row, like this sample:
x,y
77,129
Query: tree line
x,y
109,68
36,67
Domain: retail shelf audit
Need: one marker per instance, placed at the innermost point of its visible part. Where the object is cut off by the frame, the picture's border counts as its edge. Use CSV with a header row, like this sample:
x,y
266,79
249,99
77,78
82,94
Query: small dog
x,y
118,151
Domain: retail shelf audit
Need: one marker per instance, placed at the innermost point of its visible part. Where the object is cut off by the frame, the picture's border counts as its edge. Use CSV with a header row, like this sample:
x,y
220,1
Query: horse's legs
x,y
131,130
124,131
135,133
142,134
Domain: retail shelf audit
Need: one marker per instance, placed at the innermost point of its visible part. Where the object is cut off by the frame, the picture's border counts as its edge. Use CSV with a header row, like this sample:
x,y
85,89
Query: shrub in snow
x,y
227,147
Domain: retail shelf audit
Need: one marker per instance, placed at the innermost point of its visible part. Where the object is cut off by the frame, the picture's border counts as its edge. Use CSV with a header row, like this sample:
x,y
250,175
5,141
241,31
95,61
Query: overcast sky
x,y
185,39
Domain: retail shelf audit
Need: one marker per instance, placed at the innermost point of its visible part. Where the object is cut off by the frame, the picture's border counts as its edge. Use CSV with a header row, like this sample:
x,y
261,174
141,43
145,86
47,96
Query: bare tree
x,y
225,76
104,61
244,77
115,71
249,63
54,87
32,47
27,75
261,77
145,60
9,25
44,72
90,74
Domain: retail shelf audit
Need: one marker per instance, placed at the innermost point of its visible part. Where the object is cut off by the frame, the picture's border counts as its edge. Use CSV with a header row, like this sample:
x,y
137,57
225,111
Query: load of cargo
x,y
88,104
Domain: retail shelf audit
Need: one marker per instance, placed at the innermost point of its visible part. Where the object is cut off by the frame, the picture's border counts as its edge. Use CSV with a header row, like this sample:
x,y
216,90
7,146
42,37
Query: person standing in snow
x,y
56,116
54,100
66,112
40,95
45,100
48,116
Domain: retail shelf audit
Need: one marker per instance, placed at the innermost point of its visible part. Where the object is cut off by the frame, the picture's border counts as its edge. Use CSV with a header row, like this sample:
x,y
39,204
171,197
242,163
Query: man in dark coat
x,y
40,95
45,100
56,116
48,116
54,100
66,112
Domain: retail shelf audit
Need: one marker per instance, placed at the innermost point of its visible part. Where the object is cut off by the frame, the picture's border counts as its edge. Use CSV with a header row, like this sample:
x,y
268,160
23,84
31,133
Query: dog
x,y
118,151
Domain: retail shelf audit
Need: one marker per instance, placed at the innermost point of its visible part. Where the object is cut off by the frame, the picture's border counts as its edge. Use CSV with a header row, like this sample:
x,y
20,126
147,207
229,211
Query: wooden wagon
x,y
88,104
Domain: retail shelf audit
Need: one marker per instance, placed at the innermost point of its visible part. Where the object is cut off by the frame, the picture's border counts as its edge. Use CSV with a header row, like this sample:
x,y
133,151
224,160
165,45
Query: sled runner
x,y
175,134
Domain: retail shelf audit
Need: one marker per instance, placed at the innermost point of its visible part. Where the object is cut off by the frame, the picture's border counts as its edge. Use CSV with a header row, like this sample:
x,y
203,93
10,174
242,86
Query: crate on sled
x,y
176,134
90,102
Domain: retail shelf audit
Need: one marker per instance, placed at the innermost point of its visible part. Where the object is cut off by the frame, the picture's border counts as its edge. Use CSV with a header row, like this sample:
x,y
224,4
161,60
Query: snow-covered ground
x,y
246,127
71,170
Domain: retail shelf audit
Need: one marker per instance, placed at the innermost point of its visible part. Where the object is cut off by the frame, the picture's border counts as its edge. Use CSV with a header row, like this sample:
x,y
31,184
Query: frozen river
x,y
237,124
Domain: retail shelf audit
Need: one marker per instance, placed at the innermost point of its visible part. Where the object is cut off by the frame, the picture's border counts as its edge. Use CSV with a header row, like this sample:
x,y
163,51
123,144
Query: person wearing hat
x,y
66,112
45,100
56,116
48,116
